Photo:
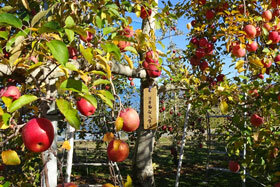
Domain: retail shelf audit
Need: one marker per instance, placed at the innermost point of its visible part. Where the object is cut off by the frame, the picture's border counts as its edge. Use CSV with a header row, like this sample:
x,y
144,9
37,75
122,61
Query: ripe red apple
x,y
151,57
220,78
131,83
122,45
254,93
209,49
131,119
267,65
117,150
10,91
107,87
252,47
277,184
72,52
277,58
250,31
274,37
163,108
210,14
127,31
267,15
237,50
203,65
164,127
256,120
261,76
153,70
38,134
145,13
194,61
170,129
195,41
233,166
193,23
70,184
276,13
88,38
171,112
85,107
274,152
203,42
200,53
130,78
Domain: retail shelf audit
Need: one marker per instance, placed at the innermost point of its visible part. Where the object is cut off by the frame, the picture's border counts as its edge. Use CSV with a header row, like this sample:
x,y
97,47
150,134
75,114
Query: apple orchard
x,y
65,62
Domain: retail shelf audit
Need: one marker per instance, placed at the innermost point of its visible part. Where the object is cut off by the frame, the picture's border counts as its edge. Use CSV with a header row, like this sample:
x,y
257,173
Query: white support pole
x,y
69,162
183,142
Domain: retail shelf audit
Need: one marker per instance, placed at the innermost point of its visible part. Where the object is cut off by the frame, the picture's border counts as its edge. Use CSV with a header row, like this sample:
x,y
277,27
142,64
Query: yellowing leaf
x,y
104,65
8,101
109,136
255,61
66,145
26,5
119,123
277,173
239,64
128,182
10,157
138,10
230,98
129,61
224,107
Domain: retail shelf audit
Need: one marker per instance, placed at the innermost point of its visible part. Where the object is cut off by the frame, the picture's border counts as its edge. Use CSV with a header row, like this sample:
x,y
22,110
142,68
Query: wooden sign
x,y
150,108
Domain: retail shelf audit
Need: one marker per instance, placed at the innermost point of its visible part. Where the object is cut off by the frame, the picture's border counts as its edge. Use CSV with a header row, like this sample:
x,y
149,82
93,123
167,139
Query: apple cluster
x,y
203,48
151,64
145,12
118,150
128,33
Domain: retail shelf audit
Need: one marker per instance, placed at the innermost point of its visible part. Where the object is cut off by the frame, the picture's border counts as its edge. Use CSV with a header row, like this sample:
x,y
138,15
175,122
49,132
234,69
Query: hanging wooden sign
x,y
150,108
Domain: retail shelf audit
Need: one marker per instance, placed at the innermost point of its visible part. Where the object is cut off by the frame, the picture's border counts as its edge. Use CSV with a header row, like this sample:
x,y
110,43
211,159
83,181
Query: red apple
x,y
70,184
261,76
72,52
277,58
233,166
127,31
38,134
237,50
153,70
276,12
151,57
117,150
209,48
203,42
267,15
194,61
10,91
277,184
220,78
130,78
252,47
274,37
170,129
85,107
256,120
200,53
267,65
88,38
250,31
254,93
210,14
131,83
194,41
201,2
164,127
163,108
131,119
145,13
193,23
203,65
122,45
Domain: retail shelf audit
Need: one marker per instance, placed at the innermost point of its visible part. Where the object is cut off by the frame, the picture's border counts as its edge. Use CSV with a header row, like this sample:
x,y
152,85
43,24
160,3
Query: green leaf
x,y
4,35
112,48
52,26
20,102
131,49
70,34
98,73
98,22
74,85
59,51
69,113
6,118
91,99
106,100
108,30
71,67
69,22
13,39
101,81
87,53
107,94
40,15
10,19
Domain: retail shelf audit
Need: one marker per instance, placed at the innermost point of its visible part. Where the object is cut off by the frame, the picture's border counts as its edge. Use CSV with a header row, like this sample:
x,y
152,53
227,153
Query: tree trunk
x,y
143,173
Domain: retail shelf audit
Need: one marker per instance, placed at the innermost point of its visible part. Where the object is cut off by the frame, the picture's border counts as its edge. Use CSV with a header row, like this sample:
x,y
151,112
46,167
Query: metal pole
x,y
183,142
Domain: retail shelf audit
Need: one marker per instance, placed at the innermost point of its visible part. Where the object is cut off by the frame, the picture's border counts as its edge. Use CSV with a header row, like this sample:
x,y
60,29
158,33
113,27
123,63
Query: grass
x,y
193,173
